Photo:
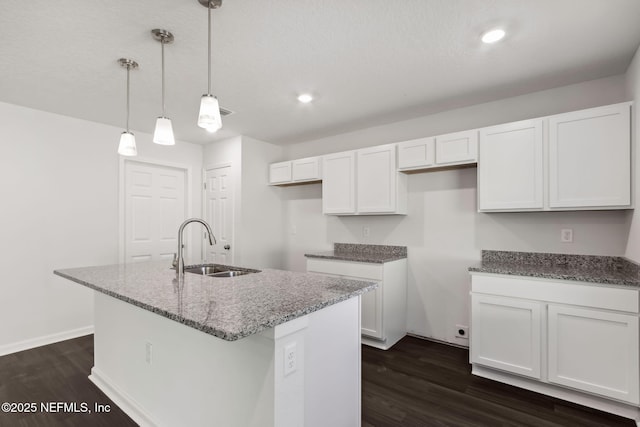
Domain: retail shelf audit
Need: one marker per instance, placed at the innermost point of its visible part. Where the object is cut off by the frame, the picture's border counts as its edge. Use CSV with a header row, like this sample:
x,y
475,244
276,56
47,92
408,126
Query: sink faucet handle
x,y
174,263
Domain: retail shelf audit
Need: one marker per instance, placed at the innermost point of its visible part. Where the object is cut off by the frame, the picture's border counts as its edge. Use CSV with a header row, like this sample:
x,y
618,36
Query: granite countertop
x,y
605,270
378,254
228,308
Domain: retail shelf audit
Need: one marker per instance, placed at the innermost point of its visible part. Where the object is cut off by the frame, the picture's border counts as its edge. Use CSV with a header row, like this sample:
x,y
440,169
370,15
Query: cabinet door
x,y
377,179
279,172
372,312
594,351
506,334
459,147
416,153
590,158
510,167
338,183
306,169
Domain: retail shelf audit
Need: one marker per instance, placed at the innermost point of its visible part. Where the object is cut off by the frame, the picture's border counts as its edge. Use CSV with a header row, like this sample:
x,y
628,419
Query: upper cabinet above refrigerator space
x,y
453,149
298,171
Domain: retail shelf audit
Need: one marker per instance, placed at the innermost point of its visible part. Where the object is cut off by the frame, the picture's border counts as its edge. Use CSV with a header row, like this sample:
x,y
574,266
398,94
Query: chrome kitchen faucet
x,y
180,261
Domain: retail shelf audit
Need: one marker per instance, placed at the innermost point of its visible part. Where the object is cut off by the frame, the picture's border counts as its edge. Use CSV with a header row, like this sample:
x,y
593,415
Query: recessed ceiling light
x,y
493,35
305,98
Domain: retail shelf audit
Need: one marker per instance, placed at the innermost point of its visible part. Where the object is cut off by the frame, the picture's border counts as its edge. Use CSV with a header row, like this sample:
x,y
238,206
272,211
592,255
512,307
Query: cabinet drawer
x,y
345,268
562,292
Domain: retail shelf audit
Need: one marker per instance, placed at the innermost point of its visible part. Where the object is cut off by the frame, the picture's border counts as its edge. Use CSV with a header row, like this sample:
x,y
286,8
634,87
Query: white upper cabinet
x,y
438,151
457,148
280,173
590,158
363,182
572,161
417,153
339,183
308,169
377,178
295,171
510,169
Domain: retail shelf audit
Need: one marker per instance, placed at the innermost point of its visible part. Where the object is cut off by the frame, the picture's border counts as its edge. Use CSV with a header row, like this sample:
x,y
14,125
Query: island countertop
x,y
228,308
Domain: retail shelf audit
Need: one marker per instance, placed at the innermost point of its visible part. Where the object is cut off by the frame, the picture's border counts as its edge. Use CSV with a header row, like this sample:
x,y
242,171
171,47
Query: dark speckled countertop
x,y
228,308
377,254
583,268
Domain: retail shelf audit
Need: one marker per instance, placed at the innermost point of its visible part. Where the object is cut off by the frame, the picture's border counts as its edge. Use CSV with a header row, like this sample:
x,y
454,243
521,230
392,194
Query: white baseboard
x,y
128,405
44,340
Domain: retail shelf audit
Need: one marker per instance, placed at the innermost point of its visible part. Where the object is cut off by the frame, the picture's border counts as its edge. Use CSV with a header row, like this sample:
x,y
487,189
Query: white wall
x,y
443,231
258,210
262,210
60,209
633,91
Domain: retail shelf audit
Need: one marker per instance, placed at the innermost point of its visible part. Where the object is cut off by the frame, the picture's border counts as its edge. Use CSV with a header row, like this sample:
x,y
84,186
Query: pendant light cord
x,y
209,62
128,69
162,42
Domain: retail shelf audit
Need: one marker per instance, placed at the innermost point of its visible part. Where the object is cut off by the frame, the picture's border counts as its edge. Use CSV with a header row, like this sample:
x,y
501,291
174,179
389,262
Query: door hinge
x,y
204,185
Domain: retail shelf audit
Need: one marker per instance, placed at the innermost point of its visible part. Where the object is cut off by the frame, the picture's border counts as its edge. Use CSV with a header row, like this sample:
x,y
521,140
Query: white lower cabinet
x,y
383,310
576,341
506,334
594,351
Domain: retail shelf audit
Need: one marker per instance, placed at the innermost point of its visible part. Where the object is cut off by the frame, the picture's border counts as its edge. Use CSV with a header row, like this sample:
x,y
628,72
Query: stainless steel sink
x,y
205,270
218,270
230,273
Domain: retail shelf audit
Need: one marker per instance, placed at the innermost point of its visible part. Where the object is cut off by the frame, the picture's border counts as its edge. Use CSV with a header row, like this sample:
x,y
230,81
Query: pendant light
x,y
163,133
127,145
209,117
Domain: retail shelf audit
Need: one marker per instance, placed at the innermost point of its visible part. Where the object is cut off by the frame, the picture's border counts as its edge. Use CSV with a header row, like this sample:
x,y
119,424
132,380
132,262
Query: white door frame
x,y
121,193
233,207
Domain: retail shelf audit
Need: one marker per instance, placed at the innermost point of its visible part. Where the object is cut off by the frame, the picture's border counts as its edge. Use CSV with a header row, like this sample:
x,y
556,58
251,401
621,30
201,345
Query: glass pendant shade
x,y
209,117
163,134
127,145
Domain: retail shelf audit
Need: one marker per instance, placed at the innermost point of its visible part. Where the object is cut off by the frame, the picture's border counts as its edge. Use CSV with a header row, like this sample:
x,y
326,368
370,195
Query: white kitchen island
x,y
273,348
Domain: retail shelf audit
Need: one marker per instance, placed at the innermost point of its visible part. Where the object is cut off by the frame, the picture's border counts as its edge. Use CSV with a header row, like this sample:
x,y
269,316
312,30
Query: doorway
x,y
218,212
153,204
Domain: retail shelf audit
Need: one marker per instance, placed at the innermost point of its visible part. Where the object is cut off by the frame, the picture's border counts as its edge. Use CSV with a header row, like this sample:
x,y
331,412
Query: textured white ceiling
x,y
367,61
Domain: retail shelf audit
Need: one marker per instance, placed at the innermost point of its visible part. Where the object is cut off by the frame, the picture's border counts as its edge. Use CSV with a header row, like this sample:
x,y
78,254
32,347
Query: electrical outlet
x,y
462,331
290,359
148,357
366,231
566,235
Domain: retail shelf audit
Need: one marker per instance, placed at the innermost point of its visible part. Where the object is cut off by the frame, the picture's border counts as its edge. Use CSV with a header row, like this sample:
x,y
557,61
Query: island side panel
x,y
192,378
332,379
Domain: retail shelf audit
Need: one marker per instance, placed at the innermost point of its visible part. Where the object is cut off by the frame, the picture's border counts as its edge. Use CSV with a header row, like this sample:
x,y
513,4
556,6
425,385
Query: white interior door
x,y
154,207
218,213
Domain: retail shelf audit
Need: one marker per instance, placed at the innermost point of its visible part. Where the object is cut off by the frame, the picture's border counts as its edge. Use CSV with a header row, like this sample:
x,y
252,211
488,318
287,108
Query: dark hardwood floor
x,y
55,373
416,383
424,383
